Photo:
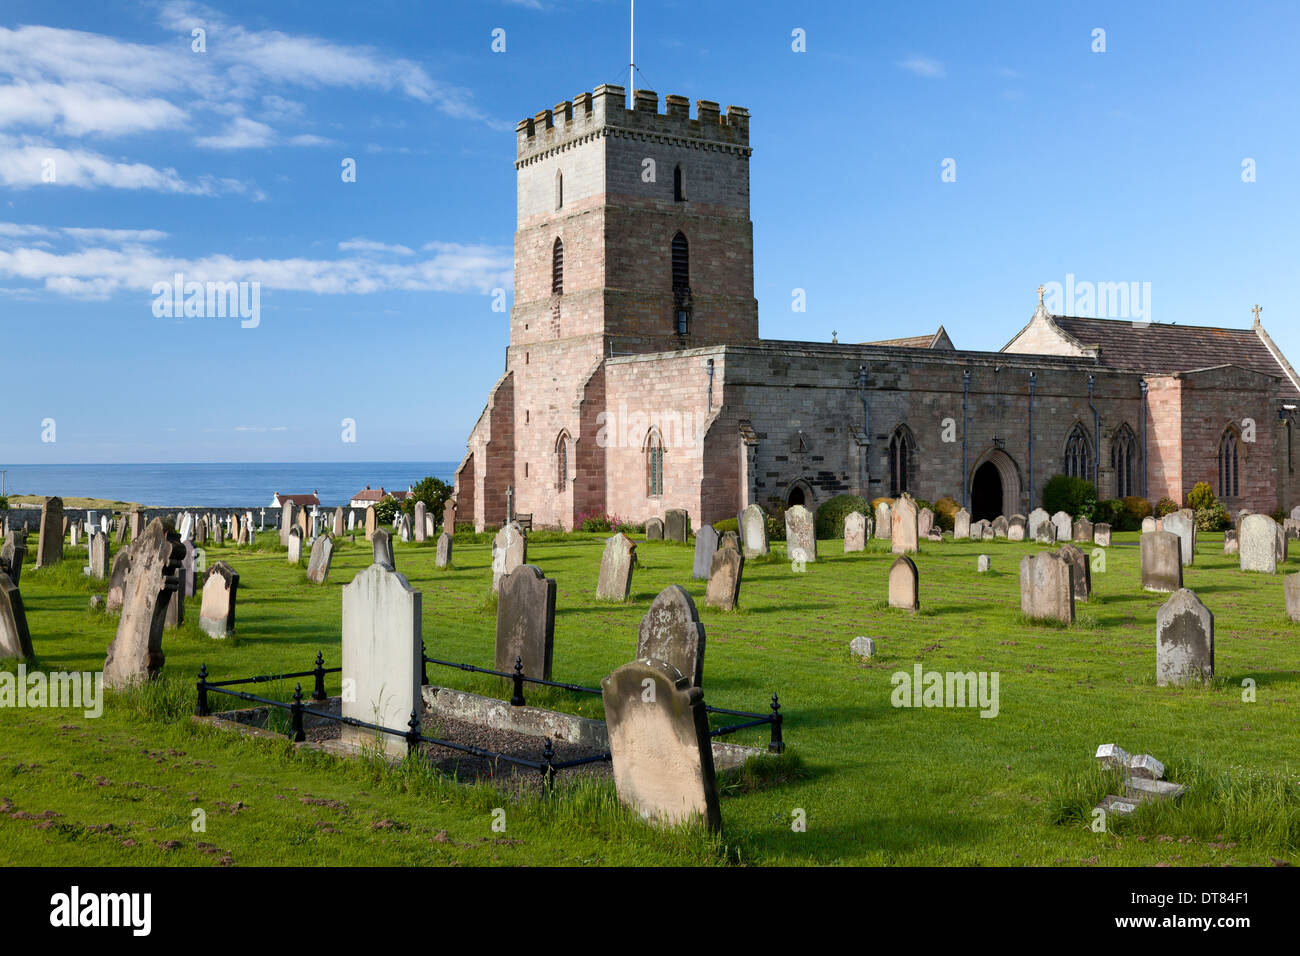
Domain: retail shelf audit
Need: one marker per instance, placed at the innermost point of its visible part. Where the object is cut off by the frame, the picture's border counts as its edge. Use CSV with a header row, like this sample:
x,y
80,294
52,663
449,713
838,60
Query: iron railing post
x,y
318,693
424,665
548,771
296,731
413,734
517,700
201,707
777,744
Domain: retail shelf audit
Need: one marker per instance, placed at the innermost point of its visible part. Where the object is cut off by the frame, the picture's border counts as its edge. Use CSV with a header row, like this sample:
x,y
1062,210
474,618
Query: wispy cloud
x,y
924,66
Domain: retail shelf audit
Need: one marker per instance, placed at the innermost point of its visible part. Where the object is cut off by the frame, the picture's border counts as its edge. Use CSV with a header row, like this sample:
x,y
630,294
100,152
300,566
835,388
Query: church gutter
x,y
1096,438
1142,384
965,476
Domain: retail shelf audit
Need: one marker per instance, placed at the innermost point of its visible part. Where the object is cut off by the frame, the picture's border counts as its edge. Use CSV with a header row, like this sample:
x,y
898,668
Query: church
x,y
635,379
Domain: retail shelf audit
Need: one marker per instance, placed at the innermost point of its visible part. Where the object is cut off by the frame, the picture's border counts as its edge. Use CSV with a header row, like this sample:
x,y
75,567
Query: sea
x,y
219,485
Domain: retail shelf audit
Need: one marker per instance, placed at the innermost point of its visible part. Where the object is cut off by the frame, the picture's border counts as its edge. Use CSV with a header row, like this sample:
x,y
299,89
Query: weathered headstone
x,y
509,551
1282,541
1162,566
1036,518
1064,526
855,532
1183,524
654,529
729,540
1016,528
1291,592
420,525
49,543
706,542
189,564
1229,542
381,544
1257,545
135,521
982,564
800,534
1184,640
1101,535
1083,530
1000,526
980,530
526,622
119,535
752,525
1046,533
616,564
1149,525
287,521
904,584
961,525
671,632
1082,576
862,647
677,525
382,657
372,523
884,521
449,516
338,525
1047,587
904,529
136,652
15,638
723,591
322,554
295,545
117,579
12,556
660,745
924,522
217,613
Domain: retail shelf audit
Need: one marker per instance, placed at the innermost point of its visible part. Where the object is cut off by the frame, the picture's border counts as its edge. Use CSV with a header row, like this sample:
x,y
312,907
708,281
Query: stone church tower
x,y
633,236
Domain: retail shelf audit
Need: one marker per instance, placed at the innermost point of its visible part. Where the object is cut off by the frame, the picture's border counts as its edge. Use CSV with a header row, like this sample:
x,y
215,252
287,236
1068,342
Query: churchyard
x,y
872,772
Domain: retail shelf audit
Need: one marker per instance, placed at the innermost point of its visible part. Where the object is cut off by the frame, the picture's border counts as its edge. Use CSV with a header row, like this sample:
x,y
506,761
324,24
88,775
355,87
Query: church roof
x,y
931,340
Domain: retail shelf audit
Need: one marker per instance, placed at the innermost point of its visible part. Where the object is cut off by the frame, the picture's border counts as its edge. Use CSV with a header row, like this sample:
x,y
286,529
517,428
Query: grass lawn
x,y
877,784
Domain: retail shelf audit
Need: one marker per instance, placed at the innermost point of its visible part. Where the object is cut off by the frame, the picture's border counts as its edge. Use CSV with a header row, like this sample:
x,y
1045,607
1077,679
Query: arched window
x,y
557,268
1124,459
679,185
559,189
1076,454
562,462
681,284
900,457
1228,483
654,465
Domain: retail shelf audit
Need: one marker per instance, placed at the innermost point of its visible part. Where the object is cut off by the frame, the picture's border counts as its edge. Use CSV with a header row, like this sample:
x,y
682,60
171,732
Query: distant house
x,y
368,496
302,501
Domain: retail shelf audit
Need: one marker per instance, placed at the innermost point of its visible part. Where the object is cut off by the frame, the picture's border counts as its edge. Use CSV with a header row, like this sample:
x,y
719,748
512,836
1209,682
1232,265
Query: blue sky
x,y
1116,166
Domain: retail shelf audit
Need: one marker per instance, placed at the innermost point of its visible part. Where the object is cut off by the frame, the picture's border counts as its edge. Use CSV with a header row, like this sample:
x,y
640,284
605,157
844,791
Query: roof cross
x,y
1041,290
1257,310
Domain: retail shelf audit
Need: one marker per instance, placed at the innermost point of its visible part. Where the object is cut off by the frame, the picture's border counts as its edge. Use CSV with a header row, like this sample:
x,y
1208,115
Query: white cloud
x,y
360,244
240,133
26,162
924,66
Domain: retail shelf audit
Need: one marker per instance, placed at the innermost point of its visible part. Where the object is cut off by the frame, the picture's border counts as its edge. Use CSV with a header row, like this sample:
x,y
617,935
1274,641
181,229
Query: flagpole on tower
x,y
631,55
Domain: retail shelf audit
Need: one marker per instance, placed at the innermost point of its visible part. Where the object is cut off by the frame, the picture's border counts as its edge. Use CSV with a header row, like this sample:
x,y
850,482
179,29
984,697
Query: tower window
x,y
654,466
559,189
681,264
1076,453
1228,464
562,462
679,185
557,268
1123,458
900,448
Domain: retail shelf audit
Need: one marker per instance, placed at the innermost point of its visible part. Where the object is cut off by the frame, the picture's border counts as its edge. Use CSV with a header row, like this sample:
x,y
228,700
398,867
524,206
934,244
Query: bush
x,y
1135,509
727,524
875,503
386,509
775,519
945,511
1165,506
830,516
1201,497
434,492
1077,497
1213,518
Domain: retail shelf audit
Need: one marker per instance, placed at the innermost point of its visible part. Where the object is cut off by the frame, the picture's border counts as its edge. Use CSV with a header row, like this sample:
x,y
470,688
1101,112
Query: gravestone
x,y
136,652
219,536
430,526
49,542
855,532
1291,592
982,564
1162,566
1295,513
119,535
1047,587
382,657
421,526
13,554
1183,524
449,516
352,521
723,591
671,632
660,746
287,520
1101,535
884,521
862,647
730,540
1016,528
509,551
654,529
136,522
904,530
924,522
526,622
117,579
1082,575
372,523
339,525
904,584
201,532
15,638
677,525
1083,530
1001,527
616,564
74,534
188,565
1036,518
1229,542
800,534
443,559
706,543
403,529
961,525
1064,526
381,543
1149,525
217,613
295,545
1257,544
1184,640
186,526
1282,542
174,615
322,554
303,523
980,530
752,525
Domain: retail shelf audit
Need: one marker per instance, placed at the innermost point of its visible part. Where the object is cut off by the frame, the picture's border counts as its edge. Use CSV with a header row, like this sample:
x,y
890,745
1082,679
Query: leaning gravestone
x,y
677,525
723,591
616,564
1047,587
217,613
904,528
1036,518
1183,524
15,638
659,744
1082,574
49,544
1291,591
706,542
421,526
855,532
322,553
980,530
884,521
1016,528
904,584
381,543
1064,526
295,545
526,622
961,525
1001,527
671,632
1083,529
1257,544
800,534
1162,566
117,579
13,554
1101,535
509,551
382,657
1184,641
136,652
443,559
654,529
753,531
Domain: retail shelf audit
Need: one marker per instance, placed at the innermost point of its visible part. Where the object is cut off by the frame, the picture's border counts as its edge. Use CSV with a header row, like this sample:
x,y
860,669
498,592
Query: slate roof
x,y
1162,349
298,499
936,339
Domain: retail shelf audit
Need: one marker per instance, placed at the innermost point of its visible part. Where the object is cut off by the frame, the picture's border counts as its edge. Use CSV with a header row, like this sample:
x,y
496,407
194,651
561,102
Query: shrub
x,y
1201,497
434,492
1165,506
945,511
727,524
1077,497
1135,509
830,516
875,503
386,509
1213,518
775,519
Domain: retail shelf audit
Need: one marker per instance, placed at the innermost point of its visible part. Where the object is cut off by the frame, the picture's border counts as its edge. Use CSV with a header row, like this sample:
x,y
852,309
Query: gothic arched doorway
x,y
994,487
799,494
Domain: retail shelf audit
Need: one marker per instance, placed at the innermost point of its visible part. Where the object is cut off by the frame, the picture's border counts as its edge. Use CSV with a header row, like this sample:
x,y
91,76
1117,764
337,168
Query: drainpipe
x,y
1096,439
709,366
866,432
1142,383
1033,383
965,400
